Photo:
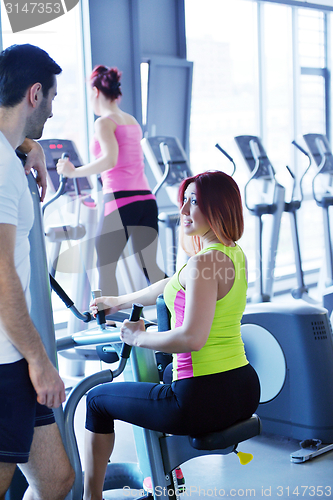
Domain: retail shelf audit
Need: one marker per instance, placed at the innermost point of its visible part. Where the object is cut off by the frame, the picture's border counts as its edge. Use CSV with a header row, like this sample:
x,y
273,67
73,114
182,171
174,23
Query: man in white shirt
x,y
30,385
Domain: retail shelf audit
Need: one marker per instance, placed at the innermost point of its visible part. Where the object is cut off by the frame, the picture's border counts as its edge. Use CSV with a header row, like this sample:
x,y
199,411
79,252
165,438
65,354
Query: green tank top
x,y
224,349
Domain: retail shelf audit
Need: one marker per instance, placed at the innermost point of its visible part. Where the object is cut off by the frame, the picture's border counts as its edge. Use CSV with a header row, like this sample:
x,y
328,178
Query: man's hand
x,y
36,161
47,383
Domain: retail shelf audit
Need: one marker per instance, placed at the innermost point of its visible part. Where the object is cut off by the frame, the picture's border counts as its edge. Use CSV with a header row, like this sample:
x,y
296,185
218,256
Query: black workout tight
x,y
191,406
137,221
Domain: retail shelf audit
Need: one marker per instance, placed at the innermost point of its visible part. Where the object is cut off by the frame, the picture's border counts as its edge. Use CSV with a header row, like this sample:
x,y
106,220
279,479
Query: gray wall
x,y
125,33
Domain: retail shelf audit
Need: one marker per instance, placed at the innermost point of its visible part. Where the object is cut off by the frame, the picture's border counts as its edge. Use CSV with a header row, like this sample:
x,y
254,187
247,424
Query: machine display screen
x,y
179,168
265,170
176,154
320,150
53,150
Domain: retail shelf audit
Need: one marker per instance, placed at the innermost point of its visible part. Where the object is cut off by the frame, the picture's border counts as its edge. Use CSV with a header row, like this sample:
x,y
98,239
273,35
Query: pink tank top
x,y
128,174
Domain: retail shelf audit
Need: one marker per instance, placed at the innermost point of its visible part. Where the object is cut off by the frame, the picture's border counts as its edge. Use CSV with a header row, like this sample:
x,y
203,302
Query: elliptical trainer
x,y
290,345
323,195
271,204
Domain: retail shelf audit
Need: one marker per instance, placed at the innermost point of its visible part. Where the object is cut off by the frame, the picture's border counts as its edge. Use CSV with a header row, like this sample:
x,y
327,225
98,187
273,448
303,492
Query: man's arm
x,y
19,327
36,161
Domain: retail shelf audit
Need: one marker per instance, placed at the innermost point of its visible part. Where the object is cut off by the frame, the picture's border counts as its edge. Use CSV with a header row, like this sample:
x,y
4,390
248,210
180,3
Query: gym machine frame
x,y
289,345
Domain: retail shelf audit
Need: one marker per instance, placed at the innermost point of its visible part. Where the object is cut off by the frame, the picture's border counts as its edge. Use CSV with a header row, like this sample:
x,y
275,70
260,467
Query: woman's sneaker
x,y
148,485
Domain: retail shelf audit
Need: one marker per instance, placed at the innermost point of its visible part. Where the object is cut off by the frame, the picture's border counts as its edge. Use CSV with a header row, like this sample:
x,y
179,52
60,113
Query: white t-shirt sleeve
x,y
11,188
15,208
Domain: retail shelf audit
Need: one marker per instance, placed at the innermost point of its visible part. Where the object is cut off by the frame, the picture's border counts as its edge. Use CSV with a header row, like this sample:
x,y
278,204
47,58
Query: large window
x,y
261,68
222,42
62,39
314,116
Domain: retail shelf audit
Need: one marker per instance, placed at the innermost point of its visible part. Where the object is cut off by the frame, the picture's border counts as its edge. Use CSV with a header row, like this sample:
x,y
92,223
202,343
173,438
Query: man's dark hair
x,y
21,66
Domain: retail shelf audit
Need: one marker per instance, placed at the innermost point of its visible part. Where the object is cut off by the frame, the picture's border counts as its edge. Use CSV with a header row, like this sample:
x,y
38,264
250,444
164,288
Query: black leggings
x,y
191,406
137,221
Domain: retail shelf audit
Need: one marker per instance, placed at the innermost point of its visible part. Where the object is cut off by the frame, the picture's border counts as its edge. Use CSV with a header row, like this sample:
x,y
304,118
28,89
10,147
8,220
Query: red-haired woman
x,y
212,378
130,208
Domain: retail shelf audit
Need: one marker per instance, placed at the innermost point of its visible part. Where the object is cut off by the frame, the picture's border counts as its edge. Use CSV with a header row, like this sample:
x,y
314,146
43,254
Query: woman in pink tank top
x,y
129,207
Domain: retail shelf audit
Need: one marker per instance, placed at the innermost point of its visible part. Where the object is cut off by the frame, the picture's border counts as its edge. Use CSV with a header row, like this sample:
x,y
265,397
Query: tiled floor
x,y
269,474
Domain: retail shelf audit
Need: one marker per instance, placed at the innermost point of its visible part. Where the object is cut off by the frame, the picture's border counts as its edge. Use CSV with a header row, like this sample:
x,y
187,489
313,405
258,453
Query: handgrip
x,y
227,156
302,150
255,149
60,292
305,171
64,156
100,316
224,152
165,153
291,173
134,316
61,188
136,312
321,146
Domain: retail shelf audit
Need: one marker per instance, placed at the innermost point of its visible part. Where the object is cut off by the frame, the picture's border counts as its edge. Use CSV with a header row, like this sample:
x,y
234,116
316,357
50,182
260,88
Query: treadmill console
x,y
53,150
253,152
320,150
179,167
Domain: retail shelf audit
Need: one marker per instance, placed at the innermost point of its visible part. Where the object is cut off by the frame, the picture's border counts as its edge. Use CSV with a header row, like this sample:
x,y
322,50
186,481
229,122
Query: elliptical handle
x,y
165,153
255,150
302,150
62,179
224,152
65,156
227,156
100,316
134,316
136,312
61,189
